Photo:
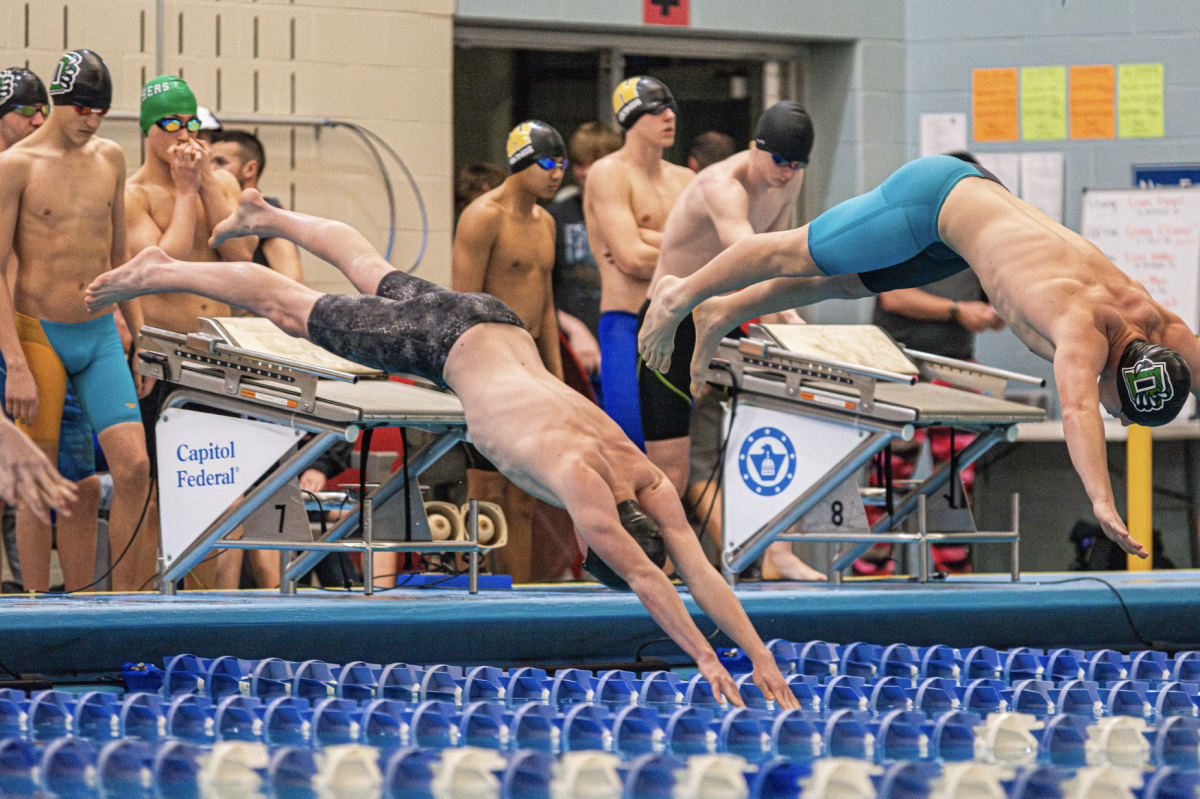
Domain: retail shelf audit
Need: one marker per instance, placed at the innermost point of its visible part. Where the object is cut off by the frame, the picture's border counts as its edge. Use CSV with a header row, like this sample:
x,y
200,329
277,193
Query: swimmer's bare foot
x,y
711,326
133,279
656,341
780,564
246,220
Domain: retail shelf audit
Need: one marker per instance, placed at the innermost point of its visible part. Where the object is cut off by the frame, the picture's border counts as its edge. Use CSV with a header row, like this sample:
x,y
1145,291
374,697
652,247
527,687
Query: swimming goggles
x,y
173,124
552,163
30,110
781,161
84,111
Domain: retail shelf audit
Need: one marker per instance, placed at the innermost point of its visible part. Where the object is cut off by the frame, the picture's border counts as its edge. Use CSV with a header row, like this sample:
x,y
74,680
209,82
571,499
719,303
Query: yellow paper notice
x,y
1140,101
1043,103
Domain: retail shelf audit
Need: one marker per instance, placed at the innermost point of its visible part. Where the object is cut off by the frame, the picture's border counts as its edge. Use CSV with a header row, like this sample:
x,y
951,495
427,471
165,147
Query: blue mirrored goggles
x,y
552,163
781,161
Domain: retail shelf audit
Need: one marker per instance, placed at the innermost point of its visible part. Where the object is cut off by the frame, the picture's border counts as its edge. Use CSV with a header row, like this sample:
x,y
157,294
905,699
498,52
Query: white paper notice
x,y
1153,235
943,133
1042,183
1006,166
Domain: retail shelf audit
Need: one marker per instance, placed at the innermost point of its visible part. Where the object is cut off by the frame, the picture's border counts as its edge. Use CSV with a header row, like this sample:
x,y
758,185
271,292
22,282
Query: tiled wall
x,y
383,64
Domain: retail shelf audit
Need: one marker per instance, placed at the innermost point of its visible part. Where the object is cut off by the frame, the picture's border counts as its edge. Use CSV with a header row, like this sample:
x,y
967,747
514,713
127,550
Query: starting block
x,y
240,465
813,404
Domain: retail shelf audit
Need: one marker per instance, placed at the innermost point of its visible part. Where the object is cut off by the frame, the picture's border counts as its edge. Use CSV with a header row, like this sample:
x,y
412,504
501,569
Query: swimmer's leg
x,y
335,242
243,285
124,448
34,535
717,316
751,260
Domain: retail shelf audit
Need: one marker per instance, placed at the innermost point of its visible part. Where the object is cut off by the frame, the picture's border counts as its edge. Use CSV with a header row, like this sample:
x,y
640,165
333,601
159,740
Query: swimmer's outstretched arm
x,y
711,592
751,260
26,475
1079,359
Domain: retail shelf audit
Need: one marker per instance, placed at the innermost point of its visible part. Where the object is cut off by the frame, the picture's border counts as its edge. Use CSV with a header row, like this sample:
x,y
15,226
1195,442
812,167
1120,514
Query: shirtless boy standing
x,y
62,213
504,246
24,107
1109,341
630,193
750,192
174,201
548,438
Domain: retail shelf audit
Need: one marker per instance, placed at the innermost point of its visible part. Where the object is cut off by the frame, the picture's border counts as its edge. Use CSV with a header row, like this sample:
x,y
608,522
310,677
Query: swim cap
x,y
642,95
165,96
786,130
20,87
530,141
644,531
1153,382
82,79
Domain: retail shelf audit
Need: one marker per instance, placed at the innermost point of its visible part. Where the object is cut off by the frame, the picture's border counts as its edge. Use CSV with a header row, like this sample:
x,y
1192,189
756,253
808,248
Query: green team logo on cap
x,y
64,76
1148,384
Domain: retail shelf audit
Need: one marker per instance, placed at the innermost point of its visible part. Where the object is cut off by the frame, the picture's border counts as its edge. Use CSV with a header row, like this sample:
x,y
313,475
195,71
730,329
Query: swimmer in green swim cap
x,y
169,103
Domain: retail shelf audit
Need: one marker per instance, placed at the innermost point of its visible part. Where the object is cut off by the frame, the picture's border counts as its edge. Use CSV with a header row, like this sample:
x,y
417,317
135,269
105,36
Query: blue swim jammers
x,y
889,236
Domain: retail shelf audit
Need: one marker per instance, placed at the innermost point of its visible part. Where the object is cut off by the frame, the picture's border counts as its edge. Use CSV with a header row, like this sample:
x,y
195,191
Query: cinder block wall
x,y
382,64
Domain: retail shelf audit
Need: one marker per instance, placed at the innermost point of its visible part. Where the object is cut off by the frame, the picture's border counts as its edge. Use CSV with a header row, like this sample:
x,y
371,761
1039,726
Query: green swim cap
x,y
165,96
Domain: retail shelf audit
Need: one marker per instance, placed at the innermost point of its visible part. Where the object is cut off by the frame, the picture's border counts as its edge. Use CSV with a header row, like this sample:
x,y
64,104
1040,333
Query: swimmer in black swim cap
x,y
644,532
535,142
82,80
1153,382
24,105
636,97
785,131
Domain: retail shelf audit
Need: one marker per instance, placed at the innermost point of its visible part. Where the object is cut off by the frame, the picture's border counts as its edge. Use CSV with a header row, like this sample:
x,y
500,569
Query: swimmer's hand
x,y
1114,528
185,165
27,477
723,686
771,682
656,341
21,394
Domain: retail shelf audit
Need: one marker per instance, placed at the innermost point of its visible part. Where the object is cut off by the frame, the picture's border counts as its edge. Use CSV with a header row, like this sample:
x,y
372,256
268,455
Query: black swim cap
x,y
644,531
1153,382
786,130
20,87
82,79
530,141
641,95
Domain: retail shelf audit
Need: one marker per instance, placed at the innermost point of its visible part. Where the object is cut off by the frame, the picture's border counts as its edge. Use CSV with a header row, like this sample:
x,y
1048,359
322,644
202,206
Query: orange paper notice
x,y
1093,102
994,104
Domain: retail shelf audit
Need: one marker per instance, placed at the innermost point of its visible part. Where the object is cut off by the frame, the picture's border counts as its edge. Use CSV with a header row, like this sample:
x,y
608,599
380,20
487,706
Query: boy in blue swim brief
x,y
1109,341
62,214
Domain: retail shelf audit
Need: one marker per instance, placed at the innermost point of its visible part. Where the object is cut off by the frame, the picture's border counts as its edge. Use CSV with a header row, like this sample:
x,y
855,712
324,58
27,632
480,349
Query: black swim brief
x,y
408,326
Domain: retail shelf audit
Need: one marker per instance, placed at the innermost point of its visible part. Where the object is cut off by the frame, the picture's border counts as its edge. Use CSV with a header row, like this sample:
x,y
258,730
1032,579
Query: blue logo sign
x,y
767,461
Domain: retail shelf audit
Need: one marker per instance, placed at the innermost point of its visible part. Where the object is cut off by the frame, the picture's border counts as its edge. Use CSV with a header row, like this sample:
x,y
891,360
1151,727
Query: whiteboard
x,y
1152,235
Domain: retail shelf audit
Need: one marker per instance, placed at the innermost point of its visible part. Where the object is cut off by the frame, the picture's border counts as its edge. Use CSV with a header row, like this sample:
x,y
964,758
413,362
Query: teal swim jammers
x,y
889,236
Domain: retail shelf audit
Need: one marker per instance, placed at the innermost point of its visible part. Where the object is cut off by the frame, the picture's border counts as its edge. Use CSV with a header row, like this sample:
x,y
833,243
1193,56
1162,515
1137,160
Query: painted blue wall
x,y
944,41
875,66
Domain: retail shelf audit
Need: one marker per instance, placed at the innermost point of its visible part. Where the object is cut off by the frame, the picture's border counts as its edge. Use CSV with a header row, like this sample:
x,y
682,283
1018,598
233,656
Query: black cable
x,y
1125,608
124,552
10,671
637,656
